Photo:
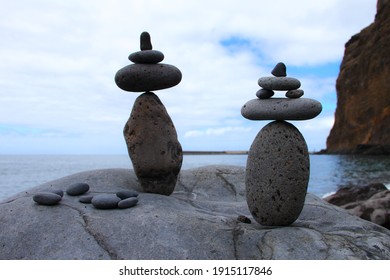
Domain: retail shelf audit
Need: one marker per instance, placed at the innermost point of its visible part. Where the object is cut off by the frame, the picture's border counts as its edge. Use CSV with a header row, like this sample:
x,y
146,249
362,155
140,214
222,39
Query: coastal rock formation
x,y
206,217
362,116
370,202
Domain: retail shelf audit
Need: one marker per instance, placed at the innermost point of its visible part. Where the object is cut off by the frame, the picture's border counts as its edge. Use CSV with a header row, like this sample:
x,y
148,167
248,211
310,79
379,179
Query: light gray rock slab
x,y
198,221
281,109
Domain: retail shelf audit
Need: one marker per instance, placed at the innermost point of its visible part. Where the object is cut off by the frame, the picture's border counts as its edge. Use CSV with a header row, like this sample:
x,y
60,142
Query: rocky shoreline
x,y
206,217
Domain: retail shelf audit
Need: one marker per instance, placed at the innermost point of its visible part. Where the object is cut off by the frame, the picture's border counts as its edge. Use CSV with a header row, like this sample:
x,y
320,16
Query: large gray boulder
x,y
198,221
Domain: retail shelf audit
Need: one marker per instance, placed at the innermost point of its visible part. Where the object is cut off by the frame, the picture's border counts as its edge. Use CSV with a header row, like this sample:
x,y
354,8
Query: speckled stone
x,y
77,189
105,201
147,77
47,198
281,109
153,146
264,93
295,93
128,202
279,83
277,174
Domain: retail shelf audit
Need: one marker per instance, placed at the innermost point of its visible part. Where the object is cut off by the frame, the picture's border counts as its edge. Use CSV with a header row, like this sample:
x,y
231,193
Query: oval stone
x,y
59,192
126,194
105,201
264,93
294,93
147,77
277,174
77,189
147,57
128,202
47,198
281,109
279,83
86,199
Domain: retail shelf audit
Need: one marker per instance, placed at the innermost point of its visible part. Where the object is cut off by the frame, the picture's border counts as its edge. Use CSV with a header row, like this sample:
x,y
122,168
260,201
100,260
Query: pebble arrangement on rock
x,y
150,134
121,199
278,166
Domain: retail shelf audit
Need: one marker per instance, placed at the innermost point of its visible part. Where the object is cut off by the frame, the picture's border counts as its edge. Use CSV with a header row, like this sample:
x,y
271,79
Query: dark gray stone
x,y
145,41
126,194
295,93
105,201
86,199
147,57
279,83
128,202
281,109
279,70
147,77
197,222
47,198
77,189
59,192
277,174
264,93
153,146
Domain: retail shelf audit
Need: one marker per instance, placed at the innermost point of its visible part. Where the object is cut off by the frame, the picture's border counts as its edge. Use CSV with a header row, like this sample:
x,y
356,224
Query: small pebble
x,y
145,41
86,198
105,201
295,93
77,189
279,70
47,198
59,192
244,219
264,93
128,202
126,194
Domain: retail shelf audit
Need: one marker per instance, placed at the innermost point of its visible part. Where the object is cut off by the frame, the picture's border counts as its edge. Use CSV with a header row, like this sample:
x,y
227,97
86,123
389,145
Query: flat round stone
x,y
77,189
105,201
294,93
147,57
47,198
126,194
147,77
264,93
281,109
128,202
279,83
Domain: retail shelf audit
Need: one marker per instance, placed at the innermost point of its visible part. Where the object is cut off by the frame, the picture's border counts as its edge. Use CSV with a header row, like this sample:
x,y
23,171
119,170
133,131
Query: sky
x,y
58,60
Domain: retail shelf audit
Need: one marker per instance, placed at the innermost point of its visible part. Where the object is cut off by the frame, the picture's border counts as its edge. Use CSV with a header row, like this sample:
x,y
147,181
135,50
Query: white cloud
x,y
59,59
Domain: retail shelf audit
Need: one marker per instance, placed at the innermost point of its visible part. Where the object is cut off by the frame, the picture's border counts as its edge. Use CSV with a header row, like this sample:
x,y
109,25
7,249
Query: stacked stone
x,y
278,166
150,135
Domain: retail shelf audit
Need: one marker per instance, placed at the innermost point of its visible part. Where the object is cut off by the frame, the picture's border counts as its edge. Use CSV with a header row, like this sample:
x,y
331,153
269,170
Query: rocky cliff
x,y
362,119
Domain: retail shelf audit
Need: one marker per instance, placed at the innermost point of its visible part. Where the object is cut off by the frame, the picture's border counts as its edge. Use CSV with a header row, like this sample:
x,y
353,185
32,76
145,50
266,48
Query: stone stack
x,y
278,165
150,135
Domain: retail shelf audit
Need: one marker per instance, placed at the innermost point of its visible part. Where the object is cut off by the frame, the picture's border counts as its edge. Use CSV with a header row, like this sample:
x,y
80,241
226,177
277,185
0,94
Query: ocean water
x,y
327,172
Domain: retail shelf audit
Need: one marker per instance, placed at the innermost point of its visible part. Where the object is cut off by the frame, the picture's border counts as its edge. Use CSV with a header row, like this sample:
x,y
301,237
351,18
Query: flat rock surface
x,y
198,221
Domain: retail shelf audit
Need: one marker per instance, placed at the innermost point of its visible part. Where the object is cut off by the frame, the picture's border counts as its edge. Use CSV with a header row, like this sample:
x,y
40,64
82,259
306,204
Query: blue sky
x,y
59,59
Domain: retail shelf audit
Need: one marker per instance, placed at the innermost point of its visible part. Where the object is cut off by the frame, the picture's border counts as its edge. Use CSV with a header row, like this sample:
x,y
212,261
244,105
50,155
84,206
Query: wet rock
x,y
153,146
277,174
47,198
77,189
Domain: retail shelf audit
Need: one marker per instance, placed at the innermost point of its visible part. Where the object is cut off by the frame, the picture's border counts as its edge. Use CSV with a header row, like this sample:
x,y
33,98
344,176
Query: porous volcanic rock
x,y
362,116
198,221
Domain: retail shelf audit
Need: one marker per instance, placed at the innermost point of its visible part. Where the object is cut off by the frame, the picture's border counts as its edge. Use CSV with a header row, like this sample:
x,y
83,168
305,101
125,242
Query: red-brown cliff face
x,y
362,119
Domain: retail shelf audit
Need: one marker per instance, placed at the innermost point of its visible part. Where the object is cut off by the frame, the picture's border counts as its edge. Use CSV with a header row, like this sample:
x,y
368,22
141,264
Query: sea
x,y
327,172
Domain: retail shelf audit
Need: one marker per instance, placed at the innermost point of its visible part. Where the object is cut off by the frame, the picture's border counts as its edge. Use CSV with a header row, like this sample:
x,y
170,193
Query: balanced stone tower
x,y
150,135
278,165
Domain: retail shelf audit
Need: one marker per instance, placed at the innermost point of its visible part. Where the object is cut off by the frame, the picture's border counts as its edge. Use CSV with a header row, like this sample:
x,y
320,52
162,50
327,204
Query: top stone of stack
x,y
147,74
291,108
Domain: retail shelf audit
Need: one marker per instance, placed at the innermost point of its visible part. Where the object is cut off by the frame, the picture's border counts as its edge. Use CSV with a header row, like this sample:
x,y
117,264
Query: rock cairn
x,y
278,166
121,199
150,135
